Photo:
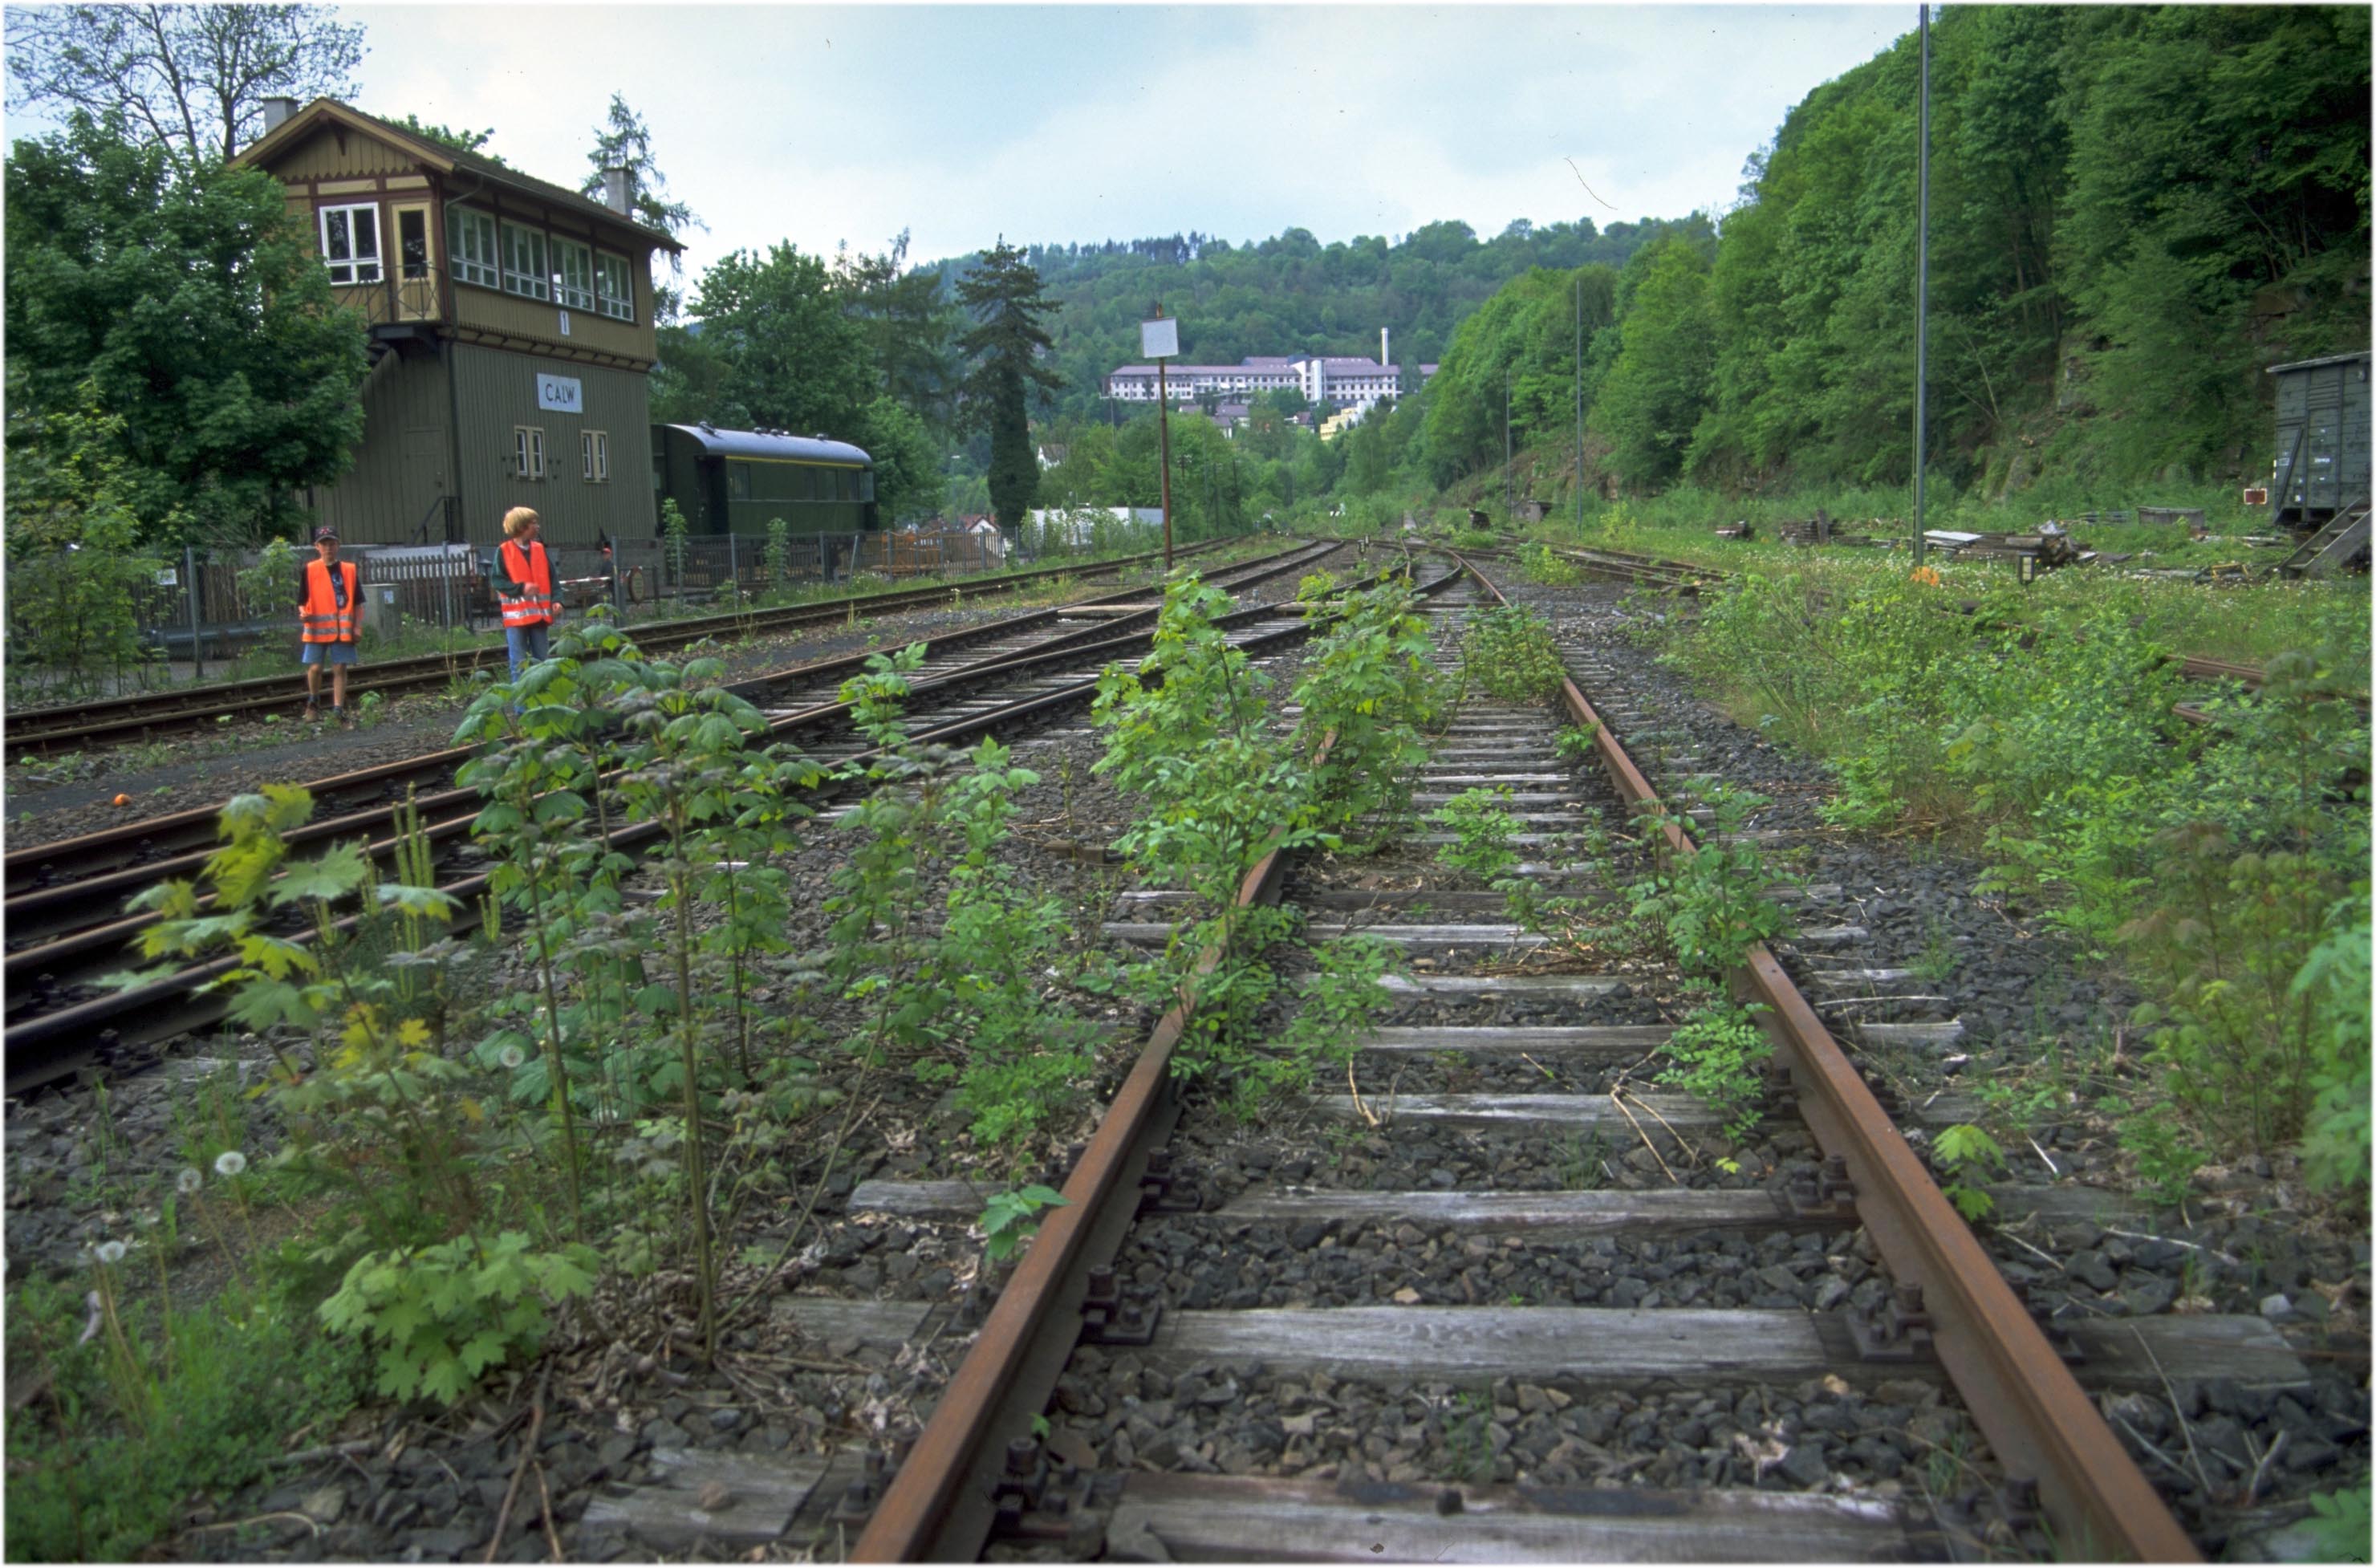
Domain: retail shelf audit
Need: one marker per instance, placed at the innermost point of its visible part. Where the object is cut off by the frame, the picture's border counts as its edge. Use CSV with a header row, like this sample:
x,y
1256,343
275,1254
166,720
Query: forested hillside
x,y
1291,294
2134,211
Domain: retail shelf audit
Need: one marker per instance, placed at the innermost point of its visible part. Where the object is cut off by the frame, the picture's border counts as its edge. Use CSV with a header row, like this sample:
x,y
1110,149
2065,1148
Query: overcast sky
x,y
1061,123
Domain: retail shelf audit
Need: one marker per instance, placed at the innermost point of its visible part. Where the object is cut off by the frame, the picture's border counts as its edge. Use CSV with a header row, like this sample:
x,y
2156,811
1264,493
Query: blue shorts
x,y
329,653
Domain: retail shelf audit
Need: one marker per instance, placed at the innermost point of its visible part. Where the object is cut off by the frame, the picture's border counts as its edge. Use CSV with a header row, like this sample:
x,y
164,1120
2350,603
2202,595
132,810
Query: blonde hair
x,y
517,519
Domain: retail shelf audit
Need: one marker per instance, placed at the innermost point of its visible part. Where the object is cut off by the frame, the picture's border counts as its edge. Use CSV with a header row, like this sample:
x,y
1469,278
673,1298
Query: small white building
x,y
1336,380
986,529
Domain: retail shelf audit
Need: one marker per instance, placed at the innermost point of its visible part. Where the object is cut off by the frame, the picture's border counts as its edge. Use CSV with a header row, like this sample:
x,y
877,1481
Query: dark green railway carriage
x,y
739,480
2323,439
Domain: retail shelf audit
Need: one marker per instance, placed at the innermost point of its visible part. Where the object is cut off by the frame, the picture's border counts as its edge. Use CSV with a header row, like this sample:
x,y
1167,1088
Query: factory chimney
x,y
1383,360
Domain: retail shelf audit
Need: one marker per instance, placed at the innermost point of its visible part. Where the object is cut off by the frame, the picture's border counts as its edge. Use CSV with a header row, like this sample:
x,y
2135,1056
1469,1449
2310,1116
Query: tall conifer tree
x,y
1002,293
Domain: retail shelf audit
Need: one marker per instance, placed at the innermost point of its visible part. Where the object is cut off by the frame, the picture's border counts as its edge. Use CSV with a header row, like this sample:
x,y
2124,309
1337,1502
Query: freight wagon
x,y
2323,438
739,480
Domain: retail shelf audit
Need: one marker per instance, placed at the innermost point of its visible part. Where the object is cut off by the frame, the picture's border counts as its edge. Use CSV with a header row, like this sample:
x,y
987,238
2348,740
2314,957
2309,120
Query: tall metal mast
x,y
1921,285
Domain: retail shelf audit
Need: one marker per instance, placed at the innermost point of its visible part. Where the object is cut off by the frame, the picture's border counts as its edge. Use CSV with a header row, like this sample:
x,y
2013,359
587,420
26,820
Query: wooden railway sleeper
x,y
2058,1336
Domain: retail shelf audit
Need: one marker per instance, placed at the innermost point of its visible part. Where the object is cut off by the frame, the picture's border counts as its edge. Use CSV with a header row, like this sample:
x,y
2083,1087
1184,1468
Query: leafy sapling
x,y
1718,1049
1009,1219
1968,1157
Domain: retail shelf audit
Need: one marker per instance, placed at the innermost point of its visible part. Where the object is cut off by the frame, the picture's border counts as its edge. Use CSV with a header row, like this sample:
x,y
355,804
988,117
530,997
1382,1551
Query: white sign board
x,y
1159,338
560,394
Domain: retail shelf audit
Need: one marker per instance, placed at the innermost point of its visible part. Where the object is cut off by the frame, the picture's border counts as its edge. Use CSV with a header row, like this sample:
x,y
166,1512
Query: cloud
x,y
1063,123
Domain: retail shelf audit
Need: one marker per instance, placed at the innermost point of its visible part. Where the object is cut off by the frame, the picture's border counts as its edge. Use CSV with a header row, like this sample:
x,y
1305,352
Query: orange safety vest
x,y
533,566
322,621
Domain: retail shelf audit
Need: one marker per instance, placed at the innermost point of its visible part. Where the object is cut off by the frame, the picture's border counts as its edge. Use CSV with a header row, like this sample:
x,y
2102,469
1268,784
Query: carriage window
x,y
738,481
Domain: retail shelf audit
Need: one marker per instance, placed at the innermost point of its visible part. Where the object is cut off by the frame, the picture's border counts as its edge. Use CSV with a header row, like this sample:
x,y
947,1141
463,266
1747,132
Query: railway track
x,y
64,903
1219,1348
44,732
1686,581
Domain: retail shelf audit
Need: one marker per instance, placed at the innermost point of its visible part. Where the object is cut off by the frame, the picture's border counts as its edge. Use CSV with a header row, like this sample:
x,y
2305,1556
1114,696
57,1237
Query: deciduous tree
x,y
778,348
191,79
910,327
196,312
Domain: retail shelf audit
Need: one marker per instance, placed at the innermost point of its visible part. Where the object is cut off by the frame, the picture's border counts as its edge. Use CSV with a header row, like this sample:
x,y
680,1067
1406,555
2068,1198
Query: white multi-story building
x,y
1342,381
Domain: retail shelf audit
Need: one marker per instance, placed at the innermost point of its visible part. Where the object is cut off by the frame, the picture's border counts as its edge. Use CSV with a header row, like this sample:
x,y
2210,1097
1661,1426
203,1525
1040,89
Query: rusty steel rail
x,y
2035,1417
45,1043
177,709
942,1504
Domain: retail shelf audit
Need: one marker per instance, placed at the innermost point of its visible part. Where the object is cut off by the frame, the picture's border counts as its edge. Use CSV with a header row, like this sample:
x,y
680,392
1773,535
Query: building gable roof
x,y
287,135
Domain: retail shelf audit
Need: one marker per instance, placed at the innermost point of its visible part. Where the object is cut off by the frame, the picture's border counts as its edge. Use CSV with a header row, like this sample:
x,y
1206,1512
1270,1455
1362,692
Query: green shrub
x,y
1507,653
444,1314
2225,868
1712,903
231,1383
1719,1052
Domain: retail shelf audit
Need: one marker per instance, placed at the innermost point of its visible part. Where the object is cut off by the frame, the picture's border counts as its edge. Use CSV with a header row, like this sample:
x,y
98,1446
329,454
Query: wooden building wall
x,y
404,462
495,389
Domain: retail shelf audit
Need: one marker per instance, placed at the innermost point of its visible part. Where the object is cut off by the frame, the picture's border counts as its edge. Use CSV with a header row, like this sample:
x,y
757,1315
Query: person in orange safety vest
x,y
524,589
329,616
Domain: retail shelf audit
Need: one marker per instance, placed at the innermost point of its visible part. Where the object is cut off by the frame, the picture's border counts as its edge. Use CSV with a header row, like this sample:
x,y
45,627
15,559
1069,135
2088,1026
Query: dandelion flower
x,y
189,1181
512,1056
231,1163
109,1252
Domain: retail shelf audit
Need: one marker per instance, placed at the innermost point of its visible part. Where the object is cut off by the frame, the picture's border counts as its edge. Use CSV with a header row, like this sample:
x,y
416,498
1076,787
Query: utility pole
x,y
1579,400
1505,438
1922,284
1165,339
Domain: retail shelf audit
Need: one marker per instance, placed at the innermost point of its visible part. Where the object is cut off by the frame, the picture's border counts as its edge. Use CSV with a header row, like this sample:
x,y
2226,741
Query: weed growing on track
x,y
1712,903
1507,654
964,1002
1370,687
1970,1158
1538,564
1010,1219
1189,732
1483,829
1718,1050
2225,869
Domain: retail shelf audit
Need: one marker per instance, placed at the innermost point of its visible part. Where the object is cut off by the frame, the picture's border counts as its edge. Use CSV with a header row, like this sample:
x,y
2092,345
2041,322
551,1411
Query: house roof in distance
x,y
438,156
